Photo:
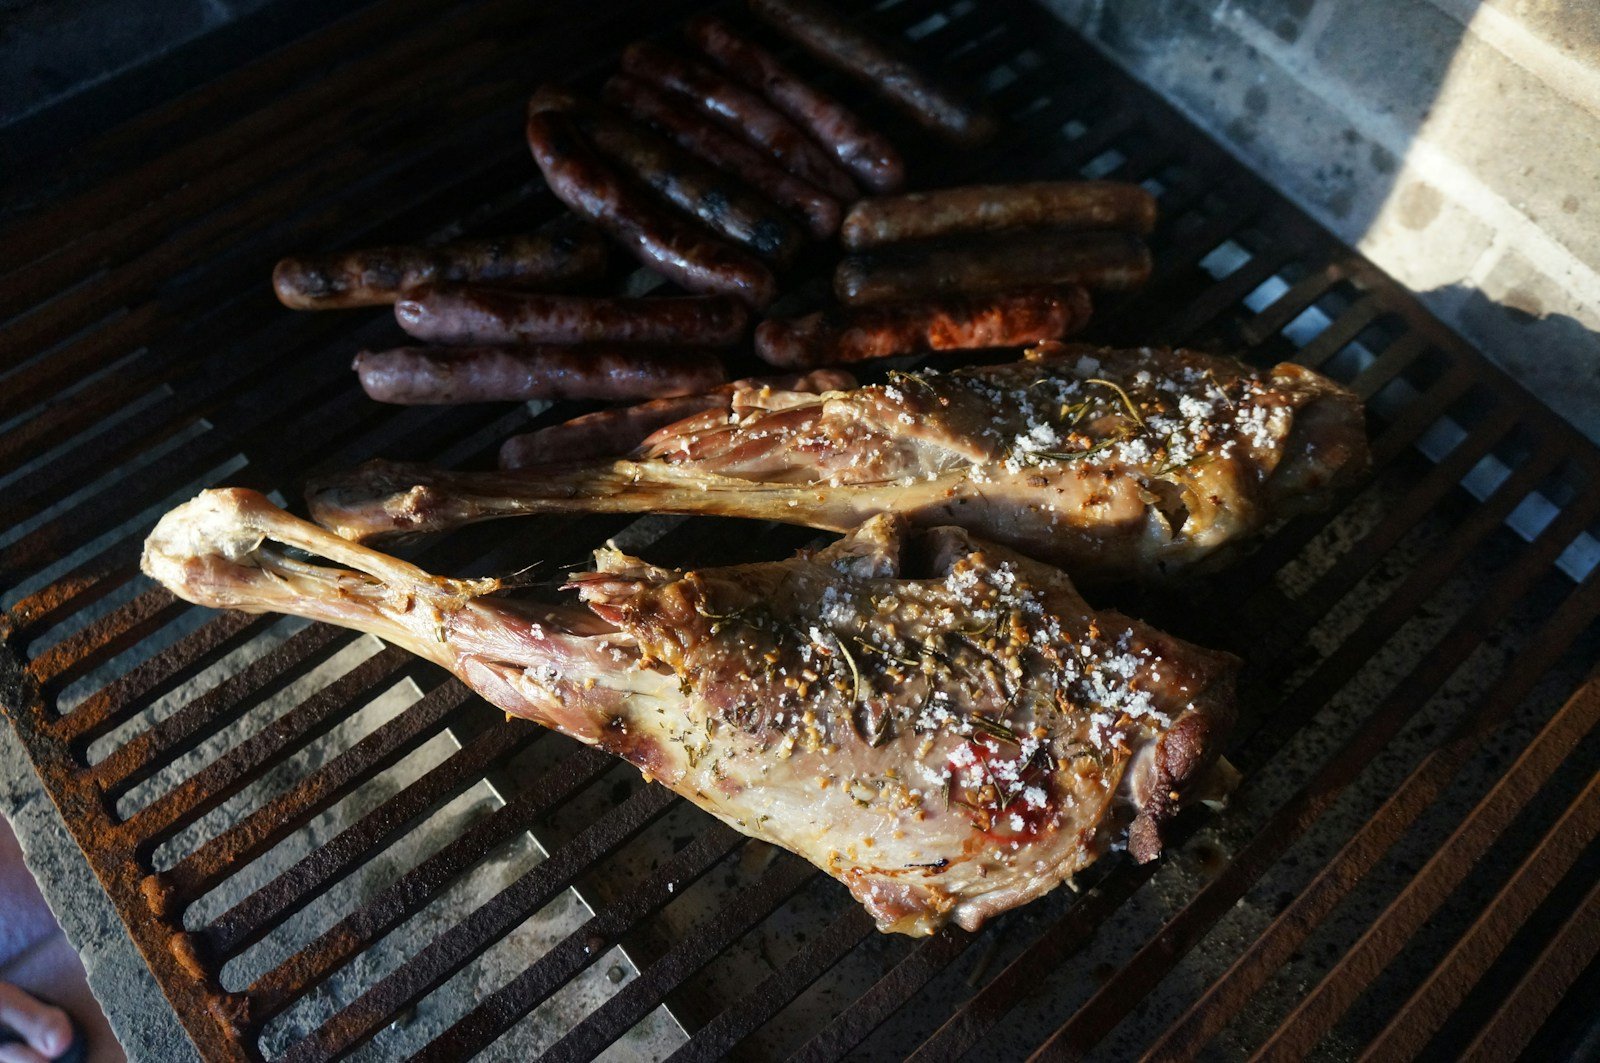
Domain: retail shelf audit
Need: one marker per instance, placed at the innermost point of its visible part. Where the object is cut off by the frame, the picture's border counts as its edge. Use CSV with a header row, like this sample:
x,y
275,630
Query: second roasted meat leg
x,y
1115,463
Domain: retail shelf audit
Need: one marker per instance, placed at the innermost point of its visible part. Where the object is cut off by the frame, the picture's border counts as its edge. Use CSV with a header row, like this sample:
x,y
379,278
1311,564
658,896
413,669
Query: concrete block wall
x,y
1455,142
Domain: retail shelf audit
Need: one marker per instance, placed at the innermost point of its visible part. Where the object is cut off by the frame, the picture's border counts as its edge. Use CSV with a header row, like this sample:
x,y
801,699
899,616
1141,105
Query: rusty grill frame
x,y
146,251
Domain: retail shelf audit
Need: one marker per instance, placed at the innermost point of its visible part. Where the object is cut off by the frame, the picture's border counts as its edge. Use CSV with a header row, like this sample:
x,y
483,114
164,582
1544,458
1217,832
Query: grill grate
x,y
321,846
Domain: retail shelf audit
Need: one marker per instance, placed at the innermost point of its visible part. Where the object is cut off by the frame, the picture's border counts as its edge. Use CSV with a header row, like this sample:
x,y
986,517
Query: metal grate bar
x,y
1293,302
511,1002
142,174
137,689
254,916
1021,977
138,758
1345,328
198,325
76,656
1421,498
145,262
888,995
1258,569
1394,359
1395,610
1114,999
452,950
1539,990
1231,289
290,980
746,1015
1478,948
289,162
613,1018
1362,963
220,857
222,778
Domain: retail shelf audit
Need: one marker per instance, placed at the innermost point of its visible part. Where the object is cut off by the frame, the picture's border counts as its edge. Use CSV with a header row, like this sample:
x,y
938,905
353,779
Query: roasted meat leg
x,y
1111,463
942,725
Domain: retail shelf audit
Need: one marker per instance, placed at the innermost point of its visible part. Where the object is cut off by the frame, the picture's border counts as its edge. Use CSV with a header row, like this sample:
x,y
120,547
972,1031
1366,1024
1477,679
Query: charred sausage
x,y
412,376
740,110
682,180
618,431
856,334
593,190
1110,262
701,137
481,315
985,208
558,258
845,47
864,152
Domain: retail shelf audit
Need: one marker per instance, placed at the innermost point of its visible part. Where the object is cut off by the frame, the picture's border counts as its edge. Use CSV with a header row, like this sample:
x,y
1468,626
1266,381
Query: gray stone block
x,y
1392,56
138,1012
1525,141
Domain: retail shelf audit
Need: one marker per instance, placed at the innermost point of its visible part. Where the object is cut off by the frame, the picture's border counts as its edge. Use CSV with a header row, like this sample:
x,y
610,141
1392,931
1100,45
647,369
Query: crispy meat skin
x,y
1132,463
620,429
949,743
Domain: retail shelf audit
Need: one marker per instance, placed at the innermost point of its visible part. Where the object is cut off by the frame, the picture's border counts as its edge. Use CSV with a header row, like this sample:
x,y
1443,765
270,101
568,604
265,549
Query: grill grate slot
x,y
323,847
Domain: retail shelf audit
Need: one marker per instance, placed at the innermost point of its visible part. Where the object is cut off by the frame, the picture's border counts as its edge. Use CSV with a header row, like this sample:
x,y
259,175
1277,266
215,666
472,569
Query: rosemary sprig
x,y
864,644
1123,395
855,673
994,729
1074,412
897,376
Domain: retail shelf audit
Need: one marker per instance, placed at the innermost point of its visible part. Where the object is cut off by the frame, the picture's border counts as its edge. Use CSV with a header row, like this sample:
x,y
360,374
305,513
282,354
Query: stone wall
x,y
1456,143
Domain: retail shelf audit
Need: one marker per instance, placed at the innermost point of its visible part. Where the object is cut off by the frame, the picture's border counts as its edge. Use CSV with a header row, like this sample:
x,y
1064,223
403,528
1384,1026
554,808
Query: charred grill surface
x,y
1414,732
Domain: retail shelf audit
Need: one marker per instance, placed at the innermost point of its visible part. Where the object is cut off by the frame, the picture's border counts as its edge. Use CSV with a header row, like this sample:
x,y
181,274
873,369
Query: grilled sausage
x,y
679,178
482,315
843,46
703,138
412,376
1110,262
741,110
618,431
560,257
857,334
593,190
1076,205
864,152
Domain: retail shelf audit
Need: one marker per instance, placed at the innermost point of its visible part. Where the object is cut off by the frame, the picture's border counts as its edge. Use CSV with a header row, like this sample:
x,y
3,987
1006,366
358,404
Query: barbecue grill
x,y
321,846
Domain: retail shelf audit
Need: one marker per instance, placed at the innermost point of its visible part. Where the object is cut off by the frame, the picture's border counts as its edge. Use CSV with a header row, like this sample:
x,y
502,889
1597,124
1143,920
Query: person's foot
x,y
43,1031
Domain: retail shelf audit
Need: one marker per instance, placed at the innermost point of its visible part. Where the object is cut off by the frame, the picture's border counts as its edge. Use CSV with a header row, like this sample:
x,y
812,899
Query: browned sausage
x,y
618,431
740,110
857,334
704,138
412,376
720,202
1110,262
561,257
593,190
484,315
840,44
863,151
1076,205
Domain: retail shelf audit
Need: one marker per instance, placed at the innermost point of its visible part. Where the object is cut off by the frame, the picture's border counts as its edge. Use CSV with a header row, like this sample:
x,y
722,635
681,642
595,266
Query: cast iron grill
x,y
322,846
